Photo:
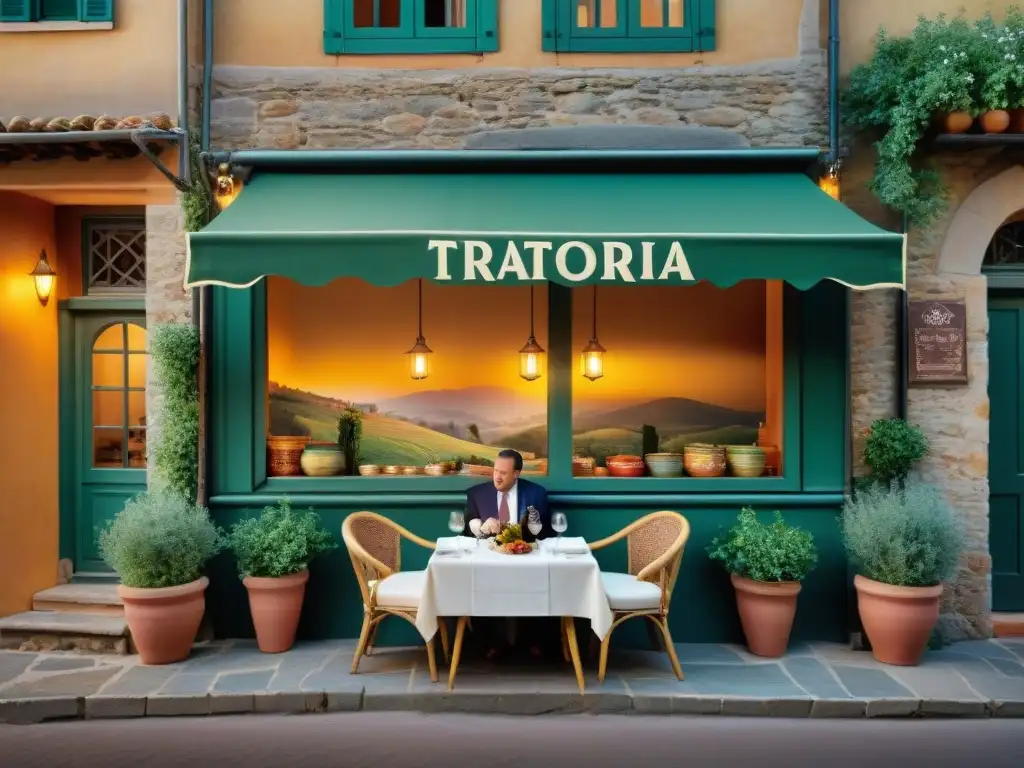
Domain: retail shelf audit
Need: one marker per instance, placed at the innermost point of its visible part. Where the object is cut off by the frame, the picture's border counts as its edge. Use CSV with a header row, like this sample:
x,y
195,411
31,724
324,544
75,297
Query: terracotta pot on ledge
x,y
164,621
276,604
954,122
767,610
994,121
898,620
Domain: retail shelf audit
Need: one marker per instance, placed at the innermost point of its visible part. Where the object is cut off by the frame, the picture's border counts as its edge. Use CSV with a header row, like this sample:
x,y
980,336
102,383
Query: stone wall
x,y
772,103
166,298
956,419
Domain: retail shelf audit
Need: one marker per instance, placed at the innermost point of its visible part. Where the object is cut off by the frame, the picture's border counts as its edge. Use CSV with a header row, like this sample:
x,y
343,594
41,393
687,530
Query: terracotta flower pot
x,y
1016,120
897,620
955,122
766,612
164,621
995,121
276,604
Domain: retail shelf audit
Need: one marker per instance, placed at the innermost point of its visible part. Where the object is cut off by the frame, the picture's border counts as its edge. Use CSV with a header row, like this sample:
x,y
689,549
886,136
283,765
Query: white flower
x,y
945,61
942,48
969,78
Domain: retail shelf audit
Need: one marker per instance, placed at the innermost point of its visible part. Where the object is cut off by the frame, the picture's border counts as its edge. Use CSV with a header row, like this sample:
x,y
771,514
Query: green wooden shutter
x,y
96,10
487,26
17,10
334,27
704,36
58,10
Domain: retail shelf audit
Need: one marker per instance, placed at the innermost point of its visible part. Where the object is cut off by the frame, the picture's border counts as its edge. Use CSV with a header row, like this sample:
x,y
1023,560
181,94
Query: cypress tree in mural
x,y
648,440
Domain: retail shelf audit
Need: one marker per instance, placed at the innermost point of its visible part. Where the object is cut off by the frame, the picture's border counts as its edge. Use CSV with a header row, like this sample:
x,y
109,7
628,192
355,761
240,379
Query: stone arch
x,y
976,220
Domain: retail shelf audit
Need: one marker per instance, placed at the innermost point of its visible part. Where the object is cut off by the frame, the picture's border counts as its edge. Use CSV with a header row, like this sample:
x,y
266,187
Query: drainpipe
x,y
204,295
184,167
902,320
833,81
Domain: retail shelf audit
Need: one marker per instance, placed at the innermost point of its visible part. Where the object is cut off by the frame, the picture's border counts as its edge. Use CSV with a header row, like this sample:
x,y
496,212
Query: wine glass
x,y
457,523
558,525
533,523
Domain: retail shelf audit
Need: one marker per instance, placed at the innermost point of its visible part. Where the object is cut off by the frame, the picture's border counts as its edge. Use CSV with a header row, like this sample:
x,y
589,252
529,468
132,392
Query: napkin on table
x,y
447,544
571,545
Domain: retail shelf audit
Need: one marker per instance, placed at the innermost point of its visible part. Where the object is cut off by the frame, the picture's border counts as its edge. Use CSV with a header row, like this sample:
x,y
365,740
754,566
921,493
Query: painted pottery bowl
x,y
665,464
601,472
412,470
582,465
322,461
436,470
625,466
392,469
369,470
704,461
747,464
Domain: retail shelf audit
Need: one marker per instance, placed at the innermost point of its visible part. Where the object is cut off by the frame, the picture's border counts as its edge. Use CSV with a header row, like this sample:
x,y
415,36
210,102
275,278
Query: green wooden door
x,y
1006,452
110,424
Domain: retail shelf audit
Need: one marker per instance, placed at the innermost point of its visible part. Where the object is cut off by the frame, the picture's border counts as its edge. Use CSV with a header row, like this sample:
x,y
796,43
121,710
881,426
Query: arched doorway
x,y
1004,266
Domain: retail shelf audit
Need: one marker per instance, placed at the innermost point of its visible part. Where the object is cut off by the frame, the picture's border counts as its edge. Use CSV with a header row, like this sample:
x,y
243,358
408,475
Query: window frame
x,y
88,12
561,35
815,340
342,37
89,224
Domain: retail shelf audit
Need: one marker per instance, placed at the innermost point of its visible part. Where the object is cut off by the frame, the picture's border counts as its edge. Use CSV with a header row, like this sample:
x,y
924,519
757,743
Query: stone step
x,y
1008,624
64,631
95,599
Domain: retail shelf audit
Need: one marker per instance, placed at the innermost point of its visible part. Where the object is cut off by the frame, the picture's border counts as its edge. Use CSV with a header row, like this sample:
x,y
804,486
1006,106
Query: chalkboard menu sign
x,y
938,342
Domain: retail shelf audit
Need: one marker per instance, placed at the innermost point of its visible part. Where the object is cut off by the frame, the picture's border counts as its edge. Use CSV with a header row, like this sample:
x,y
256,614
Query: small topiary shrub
x,y
907,536
765,551
279,542
892,449
159,539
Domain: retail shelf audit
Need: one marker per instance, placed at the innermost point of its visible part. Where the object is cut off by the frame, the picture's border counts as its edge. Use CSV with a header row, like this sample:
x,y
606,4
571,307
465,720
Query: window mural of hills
x,y
438,424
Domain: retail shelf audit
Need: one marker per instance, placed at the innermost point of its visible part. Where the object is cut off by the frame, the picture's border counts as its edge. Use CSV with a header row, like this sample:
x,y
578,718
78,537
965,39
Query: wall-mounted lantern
x,y
227,187
44,277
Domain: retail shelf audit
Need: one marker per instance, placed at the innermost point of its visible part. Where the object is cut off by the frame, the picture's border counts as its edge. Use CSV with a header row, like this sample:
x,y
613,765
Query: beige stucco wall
x,y
129,70
747,31
28,405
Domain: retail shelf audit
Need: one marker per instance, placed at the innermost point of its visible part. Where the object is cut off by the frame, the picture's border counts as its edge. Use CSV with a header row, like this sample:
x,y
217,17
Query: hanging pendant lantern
x,y
592,357
419,355
531,356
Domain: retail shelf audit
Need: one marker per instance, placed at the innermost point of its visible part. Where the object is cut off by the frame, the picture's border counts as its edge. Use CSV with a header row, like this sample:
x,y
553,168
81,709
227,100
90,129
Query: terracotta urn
x,y
767,610
164,621
1016,120
955,122
898,620
276,604
995,121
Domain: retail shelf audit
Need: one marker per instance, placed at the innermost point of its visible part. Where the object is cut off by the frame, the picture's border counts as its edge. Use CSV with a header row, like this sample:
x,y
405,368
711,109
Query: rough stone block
x,y
953,708
838,708
1007,708
345,701
27,711
697,705
892,708
289,703
751,707
232,703
177,706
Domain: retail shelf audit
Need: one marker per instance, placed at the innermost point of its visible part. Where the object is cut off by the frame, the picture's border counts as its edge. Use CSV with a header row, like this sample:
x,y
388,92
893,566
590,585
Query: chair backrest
x,y
374,545
655,547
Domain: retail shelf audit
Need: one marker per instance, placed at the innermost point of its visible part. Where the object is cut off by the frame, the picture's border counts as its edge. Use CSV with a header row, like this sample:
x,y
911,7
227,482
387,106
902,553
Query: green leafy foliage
x,y
946,64
174,348
279,542
350,433
197,200
892,449
906,535
159,539
765,551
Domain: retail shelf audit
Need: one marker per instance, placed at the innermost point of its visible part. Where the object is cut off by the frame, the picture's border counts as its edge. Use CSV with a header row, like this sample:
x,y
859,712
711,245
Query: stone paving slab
x,y
973,679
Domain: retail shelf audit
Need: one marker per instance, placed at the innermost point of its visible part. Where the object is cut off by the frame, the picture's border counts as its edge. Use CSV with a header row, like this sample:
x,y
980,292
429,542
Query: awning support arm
x,y
138,137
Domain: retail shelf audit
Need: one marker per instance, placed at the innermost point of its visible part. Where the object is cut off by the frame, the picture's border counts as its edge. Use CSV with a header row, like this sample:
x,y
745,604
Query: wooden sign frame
x,y
937,343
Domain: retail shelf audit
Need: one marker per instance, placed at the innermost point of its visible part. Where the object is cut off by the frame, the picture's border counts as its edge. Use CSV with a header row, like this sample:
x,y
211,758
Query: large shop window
x,y
345,345
629,26
410,26
690,374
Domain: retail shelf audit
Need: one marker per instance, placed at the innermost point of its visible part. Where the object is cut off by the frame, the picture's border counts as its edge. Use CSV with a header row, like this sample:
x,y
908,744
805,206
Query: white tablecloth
x,y
482,582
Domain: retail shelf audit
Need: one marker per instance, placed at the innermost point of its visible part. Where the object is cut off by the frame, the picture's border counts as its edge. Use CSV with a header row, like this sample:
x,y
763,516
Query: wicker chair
x,y
374,545
655,545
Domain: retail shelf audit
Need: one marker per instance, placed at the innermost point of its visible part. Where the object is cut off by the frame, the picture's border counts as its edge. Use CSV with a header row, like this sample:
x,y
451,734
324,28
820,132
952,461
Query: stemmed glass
x,y
533,523
558,524
457,525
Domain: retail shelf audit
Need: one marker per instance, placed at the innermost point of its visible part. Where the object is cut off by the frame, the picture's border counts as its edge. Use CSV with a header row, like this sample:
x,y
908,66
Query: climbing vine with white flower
x,y
945,66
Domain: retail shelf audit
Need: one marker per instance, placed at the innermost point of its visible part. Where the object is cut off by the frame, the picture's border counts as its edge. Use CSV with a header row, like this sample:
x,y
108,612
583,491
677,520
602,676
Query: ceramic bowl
x,y
369,470
436,470
625,466
665,464
582,466
747,464
702,462
392,469
322,461
412,470
601,472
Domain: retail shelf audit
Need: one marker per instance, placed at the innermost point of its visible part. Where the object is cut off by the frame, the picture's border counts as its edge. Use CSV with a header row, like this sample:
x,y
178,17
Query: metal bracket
x,y
139,140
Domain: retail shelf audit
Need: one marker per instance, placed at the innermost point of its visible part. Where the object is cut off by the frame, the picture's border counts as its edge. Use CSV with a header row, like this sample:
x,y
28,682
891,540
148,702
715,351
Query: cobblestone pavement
x,y
400,739
970,679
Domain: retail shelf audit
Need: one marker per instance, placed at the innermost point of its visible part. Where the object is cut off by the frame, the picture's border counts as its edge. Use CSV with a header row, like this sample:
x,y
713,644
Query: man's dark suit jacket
x,y
482,504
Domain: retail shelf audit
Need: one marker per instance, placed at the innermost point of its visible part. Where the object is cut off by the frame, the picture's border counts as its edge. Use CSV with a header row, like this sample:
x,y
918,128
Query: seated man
x,y
506,499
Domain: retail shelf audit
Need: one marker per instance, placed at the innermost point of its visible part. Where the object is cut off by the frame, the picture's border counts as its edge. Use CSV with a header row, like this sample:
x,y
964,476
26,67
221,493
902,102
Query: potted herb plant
x,y
158,545
904,542
766,563
1001,51
273,552
892,449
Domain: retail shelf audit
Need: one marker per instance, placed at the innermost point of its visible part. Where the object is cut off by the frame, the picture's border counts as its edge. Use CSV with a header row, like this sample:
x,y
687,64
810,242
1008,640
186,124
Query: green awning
x,y
569,228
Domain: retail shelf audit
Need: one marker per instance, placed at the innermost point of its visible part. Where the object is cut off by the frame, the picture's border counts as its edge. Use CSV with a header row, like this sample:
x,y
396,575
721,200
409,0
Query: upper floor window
x,y
410,26
87,11
1006,250
114,255
628,26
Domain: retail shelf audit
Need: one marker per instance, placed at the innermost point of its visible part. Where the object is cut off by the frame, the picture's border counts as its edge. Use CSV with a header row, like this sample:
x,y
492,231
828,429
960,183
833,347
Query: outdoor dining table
x,y
466,577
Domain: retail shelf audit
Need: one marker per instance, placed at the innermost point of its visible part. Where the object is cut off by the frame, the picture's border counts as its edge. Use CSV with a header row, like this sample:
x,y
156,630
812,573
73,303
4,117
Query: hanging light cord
x,y
419,288
595,311
531,311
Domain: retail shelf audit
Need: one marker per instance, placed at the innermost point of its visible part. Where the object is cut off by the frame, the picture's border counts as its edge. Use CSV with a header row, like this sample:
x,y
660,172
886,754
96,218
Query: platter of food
x,y
509,541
